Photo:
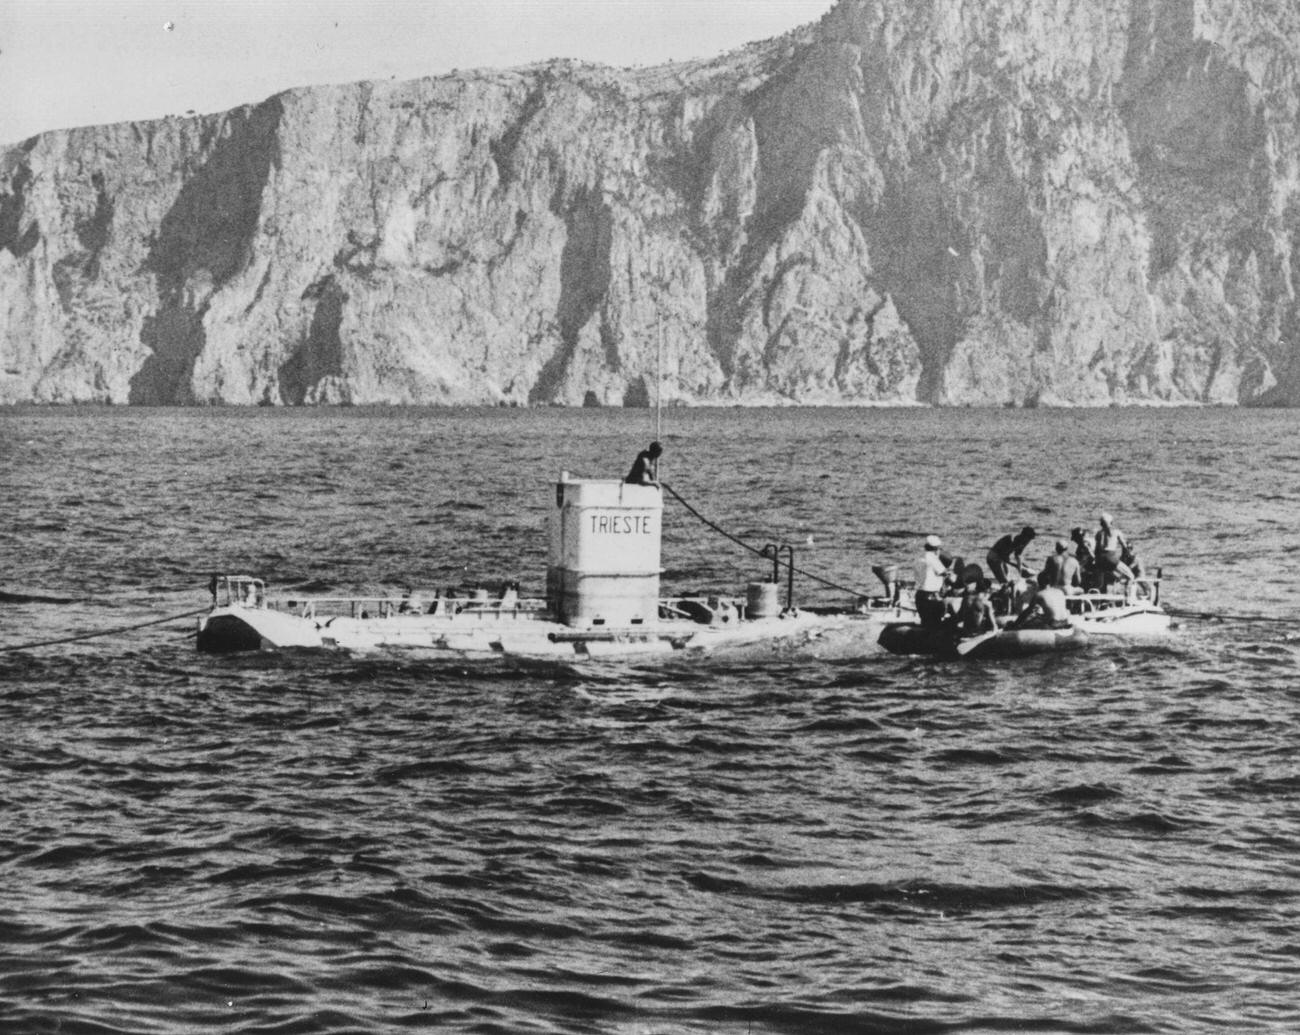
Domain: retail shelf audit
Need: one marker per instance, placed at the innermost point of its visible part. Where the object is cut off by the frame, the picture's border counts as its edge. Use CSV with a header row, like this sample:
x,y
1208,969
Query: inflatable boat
x,y
911,638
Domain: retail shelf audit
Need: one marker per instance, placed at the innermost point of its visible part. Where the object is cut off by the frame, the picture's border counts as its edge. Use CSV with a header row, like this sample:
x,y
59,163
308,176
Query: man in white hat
x,y
931,574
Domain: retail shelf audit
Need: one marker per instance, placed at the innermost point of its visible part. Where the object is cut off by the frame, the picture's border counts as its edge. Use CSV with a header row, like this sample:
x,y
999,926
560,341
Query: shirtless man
x,y
976,615
1062,570
1045,609
1109,547
1005,553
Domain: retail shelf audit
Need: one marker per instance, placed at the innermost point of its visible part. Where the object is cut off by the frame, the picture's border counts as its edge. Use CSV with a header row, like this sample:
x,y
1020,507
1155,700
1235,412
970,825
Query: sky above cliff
x,y
81,62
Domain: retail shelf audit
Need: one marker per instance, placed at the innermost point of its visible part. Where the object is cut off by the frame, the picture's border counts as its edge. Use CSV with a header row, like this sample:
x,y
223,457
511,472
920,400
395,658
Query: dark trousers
x,y
929,608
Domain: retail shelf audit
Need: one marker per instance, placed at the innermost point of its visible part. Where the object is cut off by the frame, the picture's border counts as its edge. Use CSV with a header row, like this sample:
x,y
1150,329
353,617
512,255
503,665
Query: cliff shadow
x,y
201,243
584,283
15,237
320,353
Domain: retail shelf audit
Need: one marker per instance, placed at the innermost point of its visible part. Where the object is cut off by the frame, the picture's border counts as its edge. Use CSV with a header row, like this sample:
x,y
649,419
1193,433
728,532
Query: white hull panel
x,y
1136,621
237,628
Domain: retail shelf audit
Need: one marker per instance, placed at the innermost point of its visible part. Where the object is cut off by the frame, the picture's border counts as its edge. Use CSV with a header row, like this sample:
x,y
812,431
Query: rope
x,y
103,632
1215,616
757,552
721,531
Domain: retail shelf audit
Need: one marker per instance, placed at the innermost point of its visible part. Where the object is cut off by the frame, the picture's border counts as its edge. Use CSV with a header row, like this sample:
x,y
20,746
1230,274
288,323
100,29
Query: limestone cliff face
x,y
1065,202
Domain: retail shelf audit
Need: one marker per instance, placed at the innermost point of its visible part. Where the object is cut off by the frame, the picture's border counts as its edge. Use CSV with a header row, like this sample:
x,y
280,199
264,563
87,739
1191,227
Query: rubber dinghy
x,y
910,638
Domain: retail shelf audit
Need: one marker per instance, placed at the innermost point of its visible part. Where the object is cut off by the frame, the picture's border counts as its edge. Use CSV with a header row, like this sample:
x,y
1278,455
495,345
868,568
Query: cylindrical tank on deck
x,y
603,564
761,600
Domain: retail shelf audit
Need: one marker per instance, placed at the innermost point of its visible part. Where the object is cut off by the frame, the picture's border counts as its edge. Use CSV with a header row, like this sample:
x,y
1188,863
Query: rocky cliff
x,y
1064,202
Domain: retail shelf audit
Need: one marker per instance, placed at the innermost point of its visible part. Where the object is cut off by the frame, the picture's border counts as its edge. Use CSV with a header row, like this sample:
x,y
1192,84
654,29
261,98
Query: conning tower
x,y
603,564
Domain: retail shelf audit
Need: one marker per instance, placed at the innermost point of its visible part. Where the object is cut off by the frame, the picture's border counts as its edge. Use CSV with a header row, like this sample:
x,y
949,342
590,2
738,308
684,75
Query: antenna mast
x,y
659,381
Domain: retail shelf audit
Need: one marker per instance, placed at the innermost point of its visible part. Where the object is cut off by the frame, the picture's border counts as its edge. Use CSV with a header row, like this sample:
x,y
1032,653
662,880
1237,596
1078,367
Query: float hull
x,y
236,628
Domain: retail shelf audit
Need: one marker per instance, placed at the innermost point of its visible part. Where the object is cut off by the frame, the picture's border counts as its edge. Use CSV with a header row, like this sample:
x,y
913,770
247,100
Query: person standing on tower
x,y
645,468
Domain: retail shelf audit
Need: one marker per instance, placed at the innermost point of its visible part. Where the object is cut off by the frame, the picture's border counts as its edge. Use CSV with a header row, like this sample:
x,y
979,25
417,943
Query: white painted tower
x,y
603,564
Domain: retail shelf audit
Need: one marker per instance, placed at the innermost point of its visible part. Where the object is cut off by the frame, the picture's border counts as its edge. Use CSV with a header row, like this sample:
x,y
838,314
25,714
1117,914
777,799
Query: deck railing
x,y
388,606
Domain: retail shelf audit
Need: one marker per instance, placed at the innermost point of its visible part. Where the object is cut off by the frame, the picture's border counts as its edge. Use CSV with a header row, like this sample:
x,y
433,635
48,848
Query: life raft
x,y
910,638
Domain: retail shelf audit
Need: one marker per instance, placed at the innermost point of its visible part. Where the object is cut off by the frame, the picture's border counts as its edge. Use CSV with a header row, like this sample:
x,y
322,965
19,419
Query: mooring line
x,y
1215,616
754,550
103,632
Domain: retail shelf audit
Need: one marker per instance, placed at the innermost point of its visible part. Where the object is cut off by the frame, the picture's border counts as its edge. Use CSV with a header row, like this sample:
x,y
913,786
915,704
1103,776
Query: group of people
x,y
953,594
950,593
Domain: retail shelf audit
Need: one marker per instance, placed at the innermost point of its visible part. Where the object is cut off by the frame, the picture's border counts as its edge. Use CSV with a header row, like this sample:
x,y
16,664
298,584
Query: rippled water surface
x,y
788,843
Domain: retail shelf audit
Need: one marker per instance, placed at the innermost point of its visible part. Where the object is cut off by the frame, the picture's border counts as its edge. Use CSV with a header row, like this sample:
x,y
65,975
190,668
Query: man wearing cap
x,y
1062,570
931,574
645,468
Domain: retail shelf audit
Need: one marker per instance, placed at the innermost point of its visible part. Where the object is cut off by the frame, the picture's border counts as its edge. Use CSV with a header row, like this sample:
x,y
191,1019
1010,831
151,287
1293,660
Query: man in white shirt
x,y
931,574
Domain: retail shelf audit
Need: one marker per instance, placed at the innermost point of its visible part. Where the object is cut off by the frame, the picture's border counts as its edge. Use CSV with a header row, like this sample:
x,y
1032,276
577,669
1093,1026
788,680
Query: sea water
x,y
793,842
